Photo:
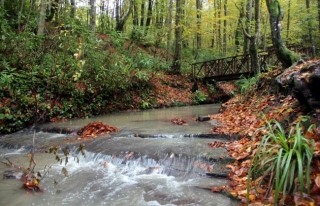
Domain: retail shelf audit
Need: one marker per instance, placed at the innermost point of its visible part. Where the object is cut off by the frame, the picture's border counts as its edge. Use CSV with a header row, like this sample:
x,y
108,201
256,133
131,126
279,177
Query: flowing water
x,y
167,166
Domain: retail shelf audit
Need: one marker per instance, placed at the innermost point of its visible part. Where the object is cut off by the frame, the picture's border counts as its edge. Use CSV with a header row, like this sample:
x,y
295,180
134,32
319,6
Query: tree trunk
x,y
149,16
225,28
92,13
176,65
285,56
310,30
169,26
288,20
319,15
135,14
42,17
53,10
33,3
2,3
246,44
253,39
213,24
238,33
121,20
142,14
109,24
19,15
198,33
257,17
264,39
135,33
73,9
219,40
159,23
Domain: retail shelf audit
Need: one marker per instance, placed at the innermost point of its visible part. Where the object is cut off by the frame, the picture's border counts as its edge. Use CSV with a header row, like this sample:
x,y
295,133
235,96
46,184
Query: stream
x,y
149,162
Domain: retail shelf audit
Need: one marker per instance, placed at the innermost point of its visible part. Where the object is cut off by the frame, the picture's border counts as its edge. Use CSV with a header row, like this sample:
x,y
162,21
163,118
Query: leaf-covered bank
x,y
277,157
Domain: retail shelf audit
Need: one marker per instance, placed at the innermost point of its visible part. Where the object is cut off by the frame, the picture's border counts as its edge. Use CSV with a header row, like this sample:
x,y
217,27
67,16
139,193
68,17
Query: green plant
x,y
199,97
282,159
247,84
212,89
145,104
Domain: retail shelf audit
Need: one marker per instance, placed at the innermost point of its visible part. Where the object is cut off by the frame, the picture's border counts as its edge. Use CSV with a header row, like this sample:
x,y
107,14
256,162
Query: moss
x,y
274,8
288,57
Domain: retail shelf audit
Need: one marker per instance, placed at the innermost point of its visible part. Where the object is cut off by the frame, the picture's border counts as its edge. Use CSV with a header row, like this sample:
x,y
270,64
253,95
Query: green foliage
x,y
199,97
281,159
145,104
247,84
212,89
66,74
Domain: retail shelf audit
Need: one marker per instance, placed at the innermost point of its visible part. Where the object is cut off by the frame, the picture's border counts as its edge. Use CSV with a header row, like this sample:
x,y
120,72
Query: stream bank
x,y
249,115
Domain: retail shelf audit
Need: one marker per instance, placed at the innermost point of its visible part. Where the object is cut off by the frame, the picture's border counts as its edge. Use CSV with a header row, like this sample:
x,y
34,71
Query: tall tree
x,y
20,14
135,33
285,56
215,17
42,17
310,29
246,43
225,27
176,65
198,33
288,19
159,22
264,37
142,10
53,10
219,26
169,25
121,17
319,15
92,13
253,39
238,33
135,14
73,8
149,16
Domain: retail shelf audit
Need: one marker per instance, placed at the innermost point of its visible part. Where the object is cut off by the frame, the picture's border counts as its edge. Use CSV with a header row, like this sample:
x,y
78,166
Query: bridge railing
x,y
235,66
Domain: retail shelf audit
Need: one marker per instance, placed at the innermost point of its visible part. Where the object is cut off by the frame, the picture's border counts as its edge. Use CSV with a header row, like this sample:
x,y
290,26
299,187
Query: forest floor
x,y
176,90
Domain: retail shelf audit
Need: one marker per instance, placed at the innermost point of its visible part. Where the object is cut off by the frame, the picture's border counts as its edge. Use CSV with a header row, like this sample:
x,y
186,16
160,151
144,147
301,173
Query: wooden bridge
x,y
234,67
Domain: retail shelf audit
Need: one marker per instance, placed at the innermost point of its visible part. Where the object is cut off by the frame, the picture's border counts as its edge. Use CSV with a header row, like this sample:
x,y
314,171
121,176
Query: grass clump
x,y
282,161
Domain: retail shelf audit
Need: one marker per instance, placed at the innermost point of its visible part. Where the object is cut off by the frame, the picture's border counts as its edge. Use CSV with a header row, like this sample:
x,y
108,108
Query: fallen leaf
x,y
317,180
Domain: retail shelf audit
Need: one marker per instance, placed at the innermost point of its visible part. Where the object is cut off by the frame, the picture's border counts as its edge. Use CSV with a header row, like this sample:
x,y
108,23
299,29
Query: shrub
x,y
247,84
199,97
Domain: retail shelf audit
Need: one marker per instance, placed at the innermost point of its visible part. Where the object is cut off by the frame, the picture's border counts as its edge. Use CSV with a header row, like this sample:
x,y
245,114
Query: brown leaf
x,y
65,172
317,180
316,148
217,189
305,200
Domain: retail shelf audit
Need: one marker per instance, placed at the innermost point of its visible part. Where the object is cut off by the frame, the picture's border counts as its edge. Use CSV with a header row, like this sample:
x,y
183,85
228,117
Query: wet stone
x,y
203,118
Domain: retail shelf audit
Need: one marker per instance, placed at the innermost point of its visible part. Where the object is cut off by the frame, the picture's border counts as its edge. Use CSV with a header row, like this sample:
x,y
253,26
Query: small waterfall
x,y
149,162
